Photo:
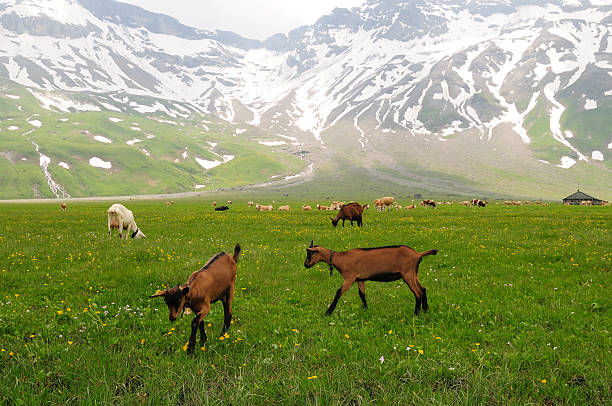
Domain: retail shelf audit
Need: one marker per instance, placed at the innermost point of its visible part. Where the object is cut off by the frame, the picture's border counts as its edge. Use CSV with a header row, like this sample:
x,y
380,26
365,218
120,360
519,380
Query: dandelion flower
x,y
60,312
420,351
11,354
312,377
185,346
346,335
203,348
390,331
70,342
544,381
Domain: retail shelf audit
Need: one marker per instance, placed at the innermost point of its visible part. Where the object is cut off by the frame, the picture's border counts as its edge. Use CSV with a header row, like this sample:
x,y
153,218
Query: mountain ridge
x,y
428,69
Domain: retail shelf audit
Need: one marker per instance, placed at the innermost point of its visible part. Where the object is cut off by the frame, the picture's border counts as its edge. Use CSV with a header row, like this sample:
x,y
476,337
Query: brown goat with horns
x,y
383,264
213,282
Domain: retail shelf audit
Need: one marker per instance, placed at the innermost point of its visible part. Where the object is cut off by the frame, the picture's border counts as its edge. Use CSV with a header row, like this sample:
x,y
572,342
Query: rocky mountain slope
x,y
510,96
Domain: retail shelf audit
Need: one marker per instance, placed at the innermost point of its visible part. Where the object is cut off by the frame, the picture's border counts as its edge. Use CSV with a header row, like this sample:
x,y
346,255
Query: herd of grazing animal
x,y
215,281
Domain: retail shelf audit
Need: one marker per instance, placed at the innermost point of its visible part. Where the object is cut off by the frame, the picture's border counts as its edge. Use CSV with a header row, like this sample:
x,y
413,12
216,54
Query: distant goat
x,y
352,212
383,264
63,206
260,207
284,208
306,207
121,218
221,208
319,207
213,282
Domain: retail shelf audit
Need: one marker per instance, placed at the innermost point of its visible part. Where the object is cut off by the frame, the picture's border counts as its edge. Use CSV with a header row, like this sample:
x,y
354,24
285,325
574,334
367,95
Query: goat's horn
x,y
310,246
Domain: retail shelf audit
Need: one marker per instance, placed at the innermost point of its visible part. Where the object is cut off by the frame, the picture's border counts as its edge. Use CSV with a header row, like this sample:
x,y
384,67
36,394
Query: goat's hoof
x,y
328,313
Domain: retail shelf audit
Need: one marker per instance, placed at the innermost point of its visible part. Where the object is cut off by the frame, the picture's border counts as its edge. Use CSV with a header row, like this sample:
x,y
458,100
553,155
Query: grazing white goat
x,y
121,218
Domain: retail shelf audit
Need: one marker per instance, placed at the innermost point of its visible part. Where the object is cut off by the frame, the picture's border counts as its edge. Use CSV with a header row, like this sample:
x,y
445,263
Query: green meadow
x,y
519,308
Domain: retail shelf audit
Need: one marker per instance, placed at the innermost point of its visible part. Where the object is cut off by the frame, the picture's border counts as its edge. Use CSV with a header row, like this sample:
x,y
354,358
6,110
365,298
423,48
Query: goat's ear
x,y
309,249
310,246
185,290
159,293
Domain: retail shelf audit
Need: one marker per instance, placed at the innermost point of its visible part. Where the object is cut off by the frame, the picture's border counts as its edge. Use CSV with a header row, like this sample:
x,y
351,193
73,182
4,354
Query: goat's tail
x,y
430,252
236,252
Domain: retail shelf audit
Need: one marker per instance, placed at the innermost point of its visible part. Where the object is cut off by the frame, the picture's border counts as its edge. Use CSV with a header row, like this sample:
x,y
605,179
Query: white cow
x,y
121,218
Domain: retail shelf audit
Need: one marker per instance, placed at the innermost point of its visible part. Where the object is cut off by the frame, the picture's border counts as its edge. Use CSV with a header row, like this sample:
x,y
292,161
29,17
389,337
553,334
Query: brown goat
x,y
213,282
352,212
383,264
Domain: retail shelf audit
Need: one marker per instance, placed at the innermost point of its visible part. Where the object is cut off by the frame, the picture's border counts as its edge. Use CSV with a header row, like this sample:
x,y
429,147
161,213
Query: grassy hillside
x,y
160,156
519,308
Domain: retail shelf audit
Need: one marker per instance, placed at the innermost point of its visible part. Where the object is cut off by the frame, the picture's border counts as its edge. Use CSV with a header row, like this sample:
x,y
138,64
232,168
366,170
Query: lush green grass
x,y
519,308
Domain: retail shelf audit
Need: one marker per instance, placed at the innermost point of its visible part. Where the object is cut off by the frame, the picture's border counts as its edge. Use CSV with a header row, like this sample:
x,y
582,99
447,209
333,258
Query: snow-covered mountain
x,y
426,71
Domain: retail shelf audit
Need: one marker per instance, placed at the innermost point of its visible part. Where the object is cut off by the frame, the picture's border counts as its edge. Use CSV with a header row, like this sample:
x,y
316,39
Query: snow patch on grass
x,y
102,139
99,163
64,165
272,143
590,104
206,164
597,156
566,162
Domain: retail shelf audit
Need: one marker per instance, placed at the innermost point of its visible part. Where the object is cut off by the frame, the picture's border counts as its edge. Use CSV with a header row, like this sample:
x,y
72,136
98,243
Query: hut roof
x,y
579,196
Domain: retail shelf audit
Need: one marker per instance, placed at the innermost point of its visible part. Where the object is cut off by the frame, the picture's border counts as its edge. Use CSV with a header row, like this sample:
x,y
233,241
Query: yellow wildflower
x,y
312,377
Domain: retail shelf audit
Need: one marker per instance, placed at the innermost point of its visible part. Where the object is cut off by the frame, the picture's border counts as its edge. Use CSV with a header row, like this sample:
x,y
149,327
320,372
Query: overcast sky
x,y
256,19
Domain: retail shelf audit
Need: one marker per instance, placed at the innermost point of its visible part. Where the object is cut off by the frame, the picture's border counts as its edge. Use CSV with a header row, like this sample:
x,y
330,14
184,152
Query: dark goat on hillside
x,y
383,264
352,212
213,282
221,208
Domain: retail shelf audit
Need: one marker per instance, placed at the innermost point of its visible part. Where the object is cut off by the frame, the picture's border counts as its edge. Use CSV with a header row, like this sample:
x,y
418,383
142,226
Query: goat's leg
x,y
227,310
424,300
361,286
410,279
109,226
120,228
195,324
345,286
203,336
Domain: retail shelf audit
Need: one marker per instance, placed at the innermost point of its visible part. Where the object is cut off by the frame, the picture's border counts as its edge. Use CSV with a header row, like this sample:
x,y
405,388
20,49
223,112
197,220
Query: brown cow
x,y
428,203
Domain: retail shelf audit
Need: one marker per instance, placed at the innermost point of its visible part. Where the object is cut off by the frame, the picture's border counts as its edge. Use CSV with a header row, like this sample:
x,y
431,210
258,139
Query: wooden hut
x,y
579,197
